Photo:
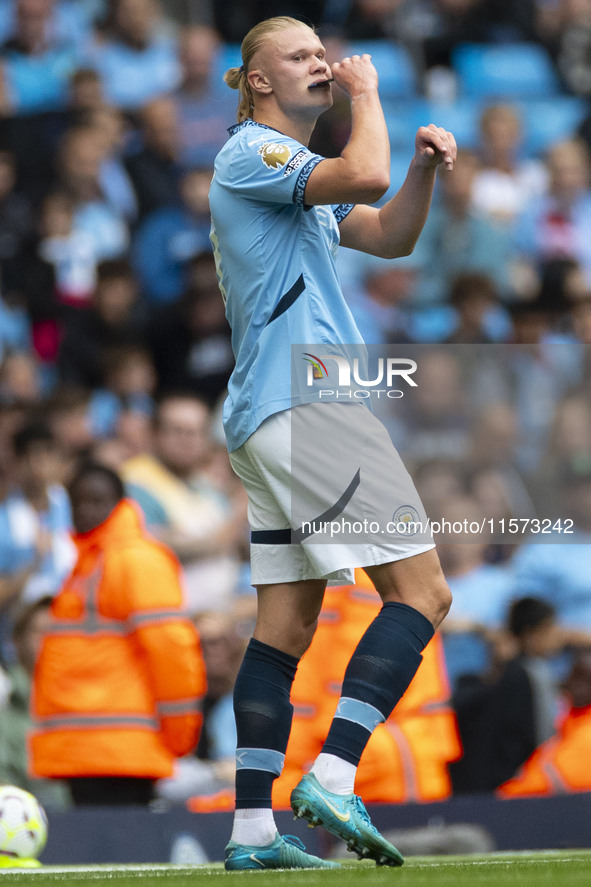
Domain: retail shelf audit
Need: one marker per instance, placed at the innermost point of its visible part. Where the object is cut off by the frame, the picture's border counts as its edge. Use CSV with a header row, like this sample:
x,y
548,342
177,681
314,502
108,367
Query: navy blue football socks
x,y
377,676
381,668
263,721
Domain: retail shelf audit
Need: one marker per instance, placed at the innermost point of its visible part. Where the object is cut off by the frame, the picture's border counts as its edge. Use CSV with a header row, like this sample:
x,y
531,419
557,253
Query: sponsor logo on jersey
x,y
296,161
274,155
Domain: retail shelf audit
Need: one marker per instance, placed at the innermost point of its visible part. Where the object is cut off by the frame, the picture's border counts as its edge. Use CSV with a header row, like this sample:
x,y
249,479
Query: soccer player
x,y
277,213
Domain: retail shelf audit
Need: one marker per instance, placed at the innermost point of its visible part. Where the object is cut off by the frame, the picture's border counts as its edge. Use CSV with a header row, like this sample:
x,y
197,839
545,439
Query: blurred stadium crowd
x,y
114,346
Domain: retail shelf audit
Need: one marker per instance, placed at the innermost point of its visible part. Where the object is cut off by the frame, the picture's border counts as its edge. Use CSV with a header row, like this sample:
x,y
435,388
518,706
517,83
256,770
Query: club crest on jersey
x,y
274,155
407,520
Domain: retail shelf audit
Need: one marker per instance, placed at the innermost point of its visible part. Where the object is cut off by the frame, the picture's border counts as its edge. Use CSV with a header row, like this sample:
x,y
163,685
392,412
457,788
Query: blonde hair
x,y
237,78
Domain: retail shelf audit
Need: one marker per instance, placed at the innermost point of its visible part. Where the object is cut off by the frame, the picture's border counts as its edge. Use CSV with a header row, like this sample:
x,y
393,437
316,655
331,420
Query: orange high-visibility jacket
x,y
560,765
406,758
119,678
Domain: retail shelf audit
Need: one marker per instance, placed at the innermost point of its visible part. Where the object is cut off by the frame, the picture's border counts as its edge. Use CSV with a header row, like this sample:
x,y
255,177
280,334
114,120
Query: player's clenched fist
x,y
355,74
435,145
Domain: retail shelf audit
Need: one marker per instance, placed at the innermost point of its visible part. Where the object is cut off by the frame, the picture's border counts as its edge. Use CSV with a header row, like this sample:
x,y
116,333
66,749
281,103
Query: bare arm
x,y
189,548
573,637
362,173
394,229
11,585
228,538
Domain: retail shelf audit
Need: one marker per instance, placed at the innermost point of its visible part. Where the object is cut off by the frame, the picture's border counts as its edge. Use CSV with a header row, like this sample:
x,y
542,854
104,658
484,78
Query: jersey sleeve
x,y
342,210
272,168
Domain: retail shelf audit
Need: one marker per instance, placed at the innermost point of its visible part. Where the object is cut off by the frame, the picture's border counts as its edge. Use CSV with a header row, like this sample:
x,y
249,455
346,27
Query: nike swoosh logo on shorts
x,y
344,817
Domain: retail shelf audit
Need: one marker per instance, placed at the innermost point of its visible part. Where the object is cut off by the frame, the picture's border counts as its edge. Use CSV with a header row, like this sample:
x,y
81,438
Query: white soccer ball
x,y
23,824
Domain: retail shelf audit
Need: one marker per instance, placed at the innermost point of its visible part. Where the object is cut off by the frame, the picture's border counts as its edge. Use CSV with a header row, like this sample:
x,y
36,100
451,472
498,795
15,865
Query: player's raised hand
x,y
355,74
434,146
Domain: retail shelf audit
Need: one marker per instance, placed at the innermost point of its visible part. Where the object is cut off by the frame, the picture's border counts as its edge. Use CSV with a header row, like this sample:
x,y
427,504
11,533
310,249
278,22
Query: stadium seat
x,y
512,70
398,77
399,163
401,122
404,118
228,56
460,117
547,121
433,323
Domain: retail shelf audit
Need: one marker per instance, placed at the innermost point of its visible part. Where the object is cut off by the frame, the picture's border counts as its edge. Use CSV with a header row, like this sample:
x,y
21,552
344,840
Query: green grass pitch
x,y
544,869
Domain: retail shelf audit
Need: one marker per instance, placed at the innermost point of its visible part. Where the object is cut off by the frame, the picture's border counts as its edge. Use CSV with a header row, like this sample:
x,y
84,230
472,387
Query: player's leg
x,y
286,622
287,614
415,599
416,581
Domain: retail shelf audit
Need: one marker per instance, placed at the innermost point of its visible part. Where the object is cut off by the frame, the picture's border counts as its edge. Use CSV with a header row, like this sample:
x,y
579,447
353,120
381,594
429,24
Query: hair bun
x,y
232,77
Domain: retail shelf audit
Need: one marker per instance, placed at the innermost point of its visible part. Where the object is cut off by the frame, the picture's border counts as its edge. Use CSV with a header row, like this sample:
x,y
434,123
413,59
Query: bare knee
x,y
292,638
441,601
304,636
287,615
433,599
416,581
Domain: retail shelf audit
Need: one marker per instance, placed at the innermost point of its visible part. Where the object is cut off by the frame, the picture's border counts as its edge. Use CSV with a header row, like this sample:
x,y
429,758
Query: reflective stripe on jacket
x,y
119,678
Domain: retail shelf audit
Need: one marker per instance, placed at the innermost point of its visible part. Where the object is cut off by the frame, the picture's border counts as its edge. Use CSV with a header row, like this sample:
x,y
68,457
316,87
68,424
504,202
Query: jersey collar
x,y
236,127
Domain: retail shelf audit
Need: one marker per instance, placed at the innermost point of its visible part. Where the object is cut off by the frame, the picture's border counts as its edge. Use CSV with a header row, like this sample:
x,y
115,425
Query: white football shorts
x,y
327,492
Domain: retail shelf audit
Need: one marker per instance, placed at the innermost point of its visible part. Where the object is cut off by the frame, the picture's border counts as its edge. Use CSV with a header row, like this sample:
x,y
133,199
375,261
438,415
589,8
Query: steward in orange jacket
x,y
119,677
561,764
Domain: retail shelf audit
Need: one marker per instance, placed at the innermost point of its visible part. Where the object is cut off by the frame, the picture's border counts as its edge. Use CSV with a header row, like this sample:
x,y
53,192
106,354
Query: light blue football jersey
x,y
276,268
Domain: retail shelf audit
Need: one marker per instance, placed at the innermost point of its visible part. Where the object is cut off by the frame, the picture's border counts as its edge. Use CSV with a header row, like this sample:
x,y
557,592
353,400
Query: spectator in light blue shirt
x,y
457,240
37,64
204,112
80,157
15,328
556,225
67,21
36,552
557,567
135,56
115,184
169,237
481,593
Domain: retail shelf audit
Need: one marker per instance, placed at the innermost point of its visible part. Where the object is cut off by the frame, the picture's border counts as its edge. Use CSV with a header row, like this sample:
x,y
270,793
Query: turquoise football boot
x,y
345,817
285,852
